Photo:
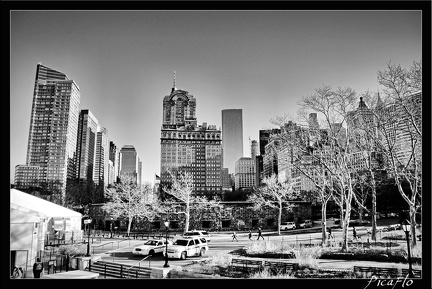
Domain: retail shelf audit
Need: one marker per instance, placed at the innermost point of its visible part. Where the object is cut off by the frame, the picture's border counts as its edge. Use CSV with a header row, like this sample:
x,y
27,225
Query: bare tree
x,y
401,147
307,158
333,106
367,159
182,199
129,200
399,122
273,194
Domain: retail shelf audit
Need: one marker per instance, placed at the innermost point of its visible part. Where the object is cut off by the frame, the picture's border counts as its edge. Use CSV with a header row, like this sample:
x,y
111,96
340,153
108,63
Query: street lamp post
x,y
166,223
406,226
111,226
88,221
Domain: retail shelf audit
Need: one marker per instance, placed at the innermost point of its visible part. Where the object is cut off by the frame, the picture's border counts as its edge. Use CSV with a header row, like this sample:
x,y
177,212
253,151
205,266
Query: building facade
x,y
232,137
245,173
101,172
130,162
54,126
86,145
188,147
26,176
114,157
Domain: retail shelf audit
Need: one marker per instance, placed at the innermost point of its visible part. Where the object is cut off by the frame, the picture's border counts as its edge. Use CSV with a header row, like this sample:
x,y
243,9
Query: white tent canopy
x,y
37,206
33,221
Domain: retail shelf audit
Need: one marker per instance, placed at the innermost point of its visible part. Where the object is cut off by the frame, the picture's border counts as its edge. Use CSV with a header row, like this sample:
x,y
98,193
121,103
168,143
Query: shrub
x,y
73,250
269,248
266,274
213,265
307,256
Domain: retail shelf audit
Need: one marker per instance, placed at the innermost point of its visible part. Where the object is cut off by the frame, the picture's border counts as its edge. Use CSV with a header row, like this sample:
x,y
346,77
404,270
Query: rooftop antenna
x,y
174,86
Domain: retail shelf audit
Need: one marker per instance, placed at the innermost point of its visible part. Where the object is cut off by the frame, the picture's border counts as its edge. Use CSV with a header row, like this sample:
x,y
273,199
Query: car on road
x,y
185,247
151,247
359,222
393,227
306,224
198,233
288,226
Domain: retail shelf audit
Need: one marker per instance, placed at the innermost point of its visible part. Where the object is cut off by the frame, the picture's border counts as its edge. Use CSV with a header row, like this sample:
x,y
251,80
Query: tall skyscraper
x,y
114,157
101,171
188,147
53,126
130,162
86,145
232,137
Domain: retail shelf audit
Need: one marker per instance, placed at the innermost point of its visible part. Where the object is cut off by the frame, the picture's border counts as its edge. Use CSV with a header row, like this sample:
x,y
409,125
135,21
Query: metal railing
x,y
102,246
139,266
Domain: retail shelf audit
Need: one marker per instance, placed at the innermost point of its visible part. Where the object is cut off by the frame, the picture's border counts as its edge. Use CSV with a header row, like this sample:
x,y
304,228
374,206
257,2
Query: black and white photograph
x,y
190,143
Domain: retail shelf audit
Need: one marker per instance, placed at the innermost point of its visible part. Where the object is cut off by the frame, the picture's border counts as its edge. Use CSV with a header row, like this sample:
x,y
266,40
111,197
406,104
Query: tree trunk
x,y
346,220
323,221
279,217
186,228
361,212
373,221
129,226
413,226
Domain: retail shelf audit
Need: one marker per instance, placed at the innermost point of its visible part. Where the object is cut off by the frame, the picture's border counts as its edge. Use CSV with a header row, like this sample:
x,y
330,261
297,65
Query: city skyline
x,y
262,62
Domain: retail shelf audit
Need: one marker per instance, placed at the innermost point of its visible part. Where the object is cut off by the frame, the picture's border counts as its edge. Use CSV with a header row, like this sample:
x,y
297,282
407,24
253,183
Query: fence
x,y
52,263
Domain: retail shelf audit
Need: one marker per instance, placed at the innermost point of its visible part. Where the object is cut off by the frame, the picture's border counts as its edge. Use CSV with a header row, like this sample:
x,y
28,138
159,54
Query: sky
x,y
262,62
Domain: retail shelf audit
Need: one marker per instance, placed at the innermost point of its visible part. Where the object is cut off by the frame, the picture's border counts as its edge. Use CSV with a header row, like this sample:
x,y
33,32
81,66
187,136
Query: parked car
x,y
151,247
359,222
306,224
187,247
197,233
393,227
288,226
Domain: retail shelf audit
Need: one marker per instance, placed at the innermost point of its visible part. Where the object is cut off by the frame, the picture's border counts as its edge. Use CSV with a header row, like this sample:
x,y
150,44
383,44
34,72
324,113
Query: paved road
x,y
121,252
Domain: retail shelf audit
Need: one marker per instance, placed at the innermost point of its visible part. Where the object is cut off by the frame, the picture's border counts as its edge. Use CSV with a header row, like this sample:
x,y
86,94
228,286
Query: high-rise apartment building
x,y
53,126
188,147
232,137
86,145
130,162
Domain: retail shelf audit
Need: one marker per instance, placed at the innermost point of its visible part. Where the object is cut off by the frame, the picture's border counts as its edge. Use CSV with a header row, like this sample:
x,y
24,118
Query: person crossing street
x,y
234,236
260,234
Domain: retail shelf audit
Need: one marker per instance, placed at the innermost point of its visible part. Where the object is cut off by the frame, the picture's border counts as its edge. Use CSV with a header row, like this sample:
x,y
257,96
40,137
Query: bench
x,y
280,267
416,273
246,265
368,272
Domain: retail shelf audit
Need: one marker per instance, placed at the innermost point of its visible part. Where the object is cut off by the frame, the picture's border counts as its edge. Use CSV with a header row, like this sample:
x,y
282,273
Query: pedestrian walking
x,y
330,235
260,234
250,235
234,236
354,234
369,232
37,268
